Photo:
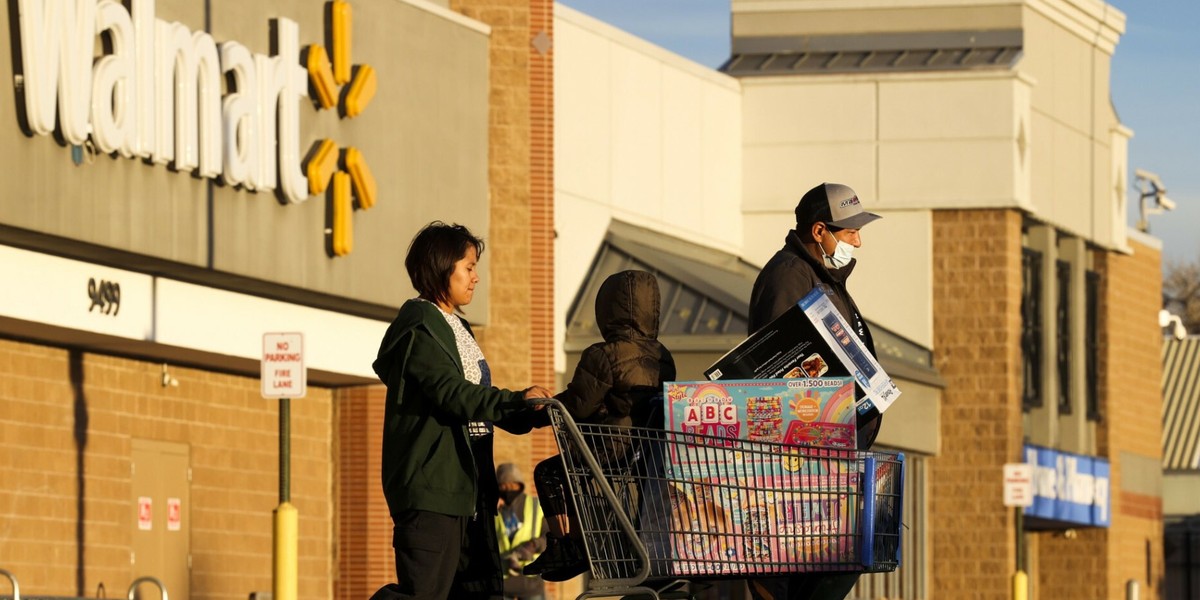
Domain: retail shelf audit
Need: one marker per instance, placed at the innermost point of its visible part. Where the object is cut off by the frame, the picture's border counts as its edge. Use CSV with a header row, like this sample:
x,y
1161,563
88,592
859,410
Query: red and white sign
x,y
145,513
283,372
174,514
1018,484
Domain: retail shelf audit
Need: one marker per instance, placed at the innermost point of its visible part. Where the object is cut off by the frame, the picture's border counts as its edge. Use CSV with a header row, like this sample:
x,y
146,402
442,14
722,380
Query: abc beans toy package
x,y
768,480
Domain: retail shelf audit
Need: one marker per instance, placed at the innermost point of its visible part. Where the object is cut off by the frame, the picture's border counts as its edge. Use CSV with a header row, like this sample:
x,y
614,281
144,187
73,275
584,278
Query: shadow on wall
x,y
75,367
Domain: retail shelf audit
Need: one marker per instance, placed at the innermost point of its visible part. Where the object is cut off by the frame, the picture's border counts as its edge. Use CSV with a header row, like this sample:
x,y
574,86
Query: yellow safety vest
x,y
530,529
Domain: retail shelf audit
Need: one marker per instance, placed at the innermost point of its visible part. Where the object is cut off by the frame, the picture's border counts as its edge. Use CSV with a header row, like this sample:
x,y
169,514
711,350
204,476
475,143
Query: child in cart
x,y
618,382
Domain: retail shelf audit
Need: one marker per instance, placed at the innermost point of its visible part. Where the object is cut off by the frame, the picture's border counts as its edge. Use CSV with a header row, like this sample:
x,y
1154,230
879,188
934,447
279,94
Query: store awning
x,y
1181,404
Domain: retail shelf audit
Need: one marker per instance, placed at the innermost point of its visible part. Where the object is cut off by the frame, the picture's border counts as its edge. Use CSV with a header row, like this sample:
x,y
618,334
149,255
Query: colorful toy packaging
x,y
798,412
740,506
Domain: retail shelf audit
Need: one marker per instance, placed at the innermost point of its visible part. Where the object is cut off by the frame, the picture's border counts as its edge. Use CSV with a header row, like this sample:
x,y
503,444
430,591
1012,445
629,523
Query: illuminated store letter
x,y
292,180
240,114
114,102
56,48
188,69
145,30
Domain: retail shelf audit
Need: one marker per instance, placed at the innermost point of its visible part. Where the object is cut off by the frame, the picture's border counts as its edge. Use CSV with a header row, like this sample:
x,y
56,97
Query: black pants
x,y
550,480
428,546
806,586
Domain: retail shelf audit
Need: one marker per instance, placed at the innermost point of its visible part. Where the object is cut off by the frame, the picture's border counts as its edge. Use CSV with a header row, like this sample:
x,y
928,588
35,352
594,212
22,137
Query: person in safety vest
x,y
521,529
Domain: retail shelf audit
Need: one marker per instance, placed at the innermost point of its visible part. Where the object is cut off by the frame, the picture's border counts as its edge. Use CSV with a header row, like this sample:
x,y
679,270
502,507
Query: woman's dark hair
x,y
432,254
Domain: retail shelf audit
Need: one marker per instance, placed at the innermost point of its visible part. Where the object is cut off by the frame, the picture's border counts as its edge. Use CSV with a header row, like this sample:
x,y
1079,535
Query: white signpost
x,y
284,377
283,372
1018,484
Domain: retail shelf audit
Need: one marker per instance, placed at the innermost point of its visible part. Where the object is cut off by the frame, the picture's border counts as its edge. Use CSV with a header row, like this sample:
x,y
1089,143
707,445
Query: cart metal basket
x,y
655,506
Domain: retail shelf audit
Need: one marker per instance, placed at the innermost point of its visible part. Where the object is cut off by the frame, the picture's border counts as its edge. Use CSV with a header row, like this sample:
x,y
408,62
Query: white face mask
x,y
841,255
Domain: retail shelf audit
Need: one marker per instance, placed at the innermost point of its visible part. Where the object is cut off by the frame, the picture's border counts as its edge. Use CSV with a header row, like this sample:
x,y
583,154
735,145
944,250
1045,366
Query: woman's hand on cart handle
x,y
537,391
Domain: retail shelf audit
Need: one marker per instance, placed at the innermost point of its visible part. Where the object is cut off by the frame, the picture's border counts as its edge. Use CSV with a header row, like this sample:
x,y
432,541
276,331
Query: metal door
x,y
161,526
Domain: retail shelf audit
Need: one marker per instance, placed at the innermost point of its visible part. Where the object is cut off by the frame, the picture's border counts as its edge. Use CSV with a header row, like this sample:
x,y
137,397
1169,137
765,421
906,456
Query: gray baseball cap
x,y
835,204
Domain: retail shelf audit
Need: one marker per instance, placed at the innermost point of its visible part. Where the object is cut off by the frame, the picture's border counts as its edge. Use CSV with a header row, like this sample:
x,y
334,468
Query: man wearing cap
x,y
819,251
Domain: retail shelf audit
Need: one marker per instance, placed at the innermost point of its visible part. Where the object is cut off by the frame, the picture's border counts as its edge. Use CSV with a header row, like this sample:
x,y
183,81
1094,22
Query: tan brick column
x,y
976,326
1131,372
519,338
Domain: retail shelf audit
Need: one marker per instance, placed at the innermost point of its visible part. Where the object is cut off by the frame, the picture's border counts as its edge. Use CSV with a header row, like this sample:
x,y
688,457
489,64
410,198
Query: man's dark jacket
x,y
785,279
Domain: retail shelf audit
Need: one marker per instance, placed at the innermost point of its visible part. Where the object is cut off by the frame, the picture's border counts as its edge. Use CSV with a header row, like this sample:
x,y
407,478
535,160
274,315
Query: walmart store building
x,y
145,265
183,177
1008,298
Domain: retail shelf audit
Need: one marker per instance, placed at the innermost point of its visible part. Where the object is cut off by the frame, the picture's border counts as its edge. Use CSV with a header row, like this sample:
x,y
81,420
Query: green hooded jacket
x,y
427,459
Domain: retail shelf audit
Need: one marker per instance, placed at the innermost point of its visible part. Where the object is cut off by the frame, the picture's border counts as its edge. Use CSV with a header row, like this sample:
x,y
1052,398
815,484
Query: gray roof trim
x,y
1181,403
879,42
723,277
897,52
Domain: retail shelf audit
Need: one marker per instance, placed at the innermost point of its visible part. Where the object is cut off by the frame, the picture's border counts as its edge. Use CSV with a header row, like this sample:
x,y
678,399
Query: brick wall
x,y
1070,566
1132,410
976,312
976,328
55,402
519,339
541,199
364,526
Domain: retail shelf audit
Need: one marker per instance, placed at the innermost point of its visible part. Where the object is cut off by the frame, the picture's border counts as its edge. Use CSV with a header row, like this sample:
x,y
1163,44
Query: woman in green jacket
x,y
438,423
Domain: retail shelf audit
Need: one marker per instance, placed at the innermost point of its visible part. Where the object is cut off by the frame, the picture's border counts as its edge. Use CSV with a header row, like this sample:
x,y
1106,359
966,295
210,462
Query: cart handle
x,y
12,580
622,518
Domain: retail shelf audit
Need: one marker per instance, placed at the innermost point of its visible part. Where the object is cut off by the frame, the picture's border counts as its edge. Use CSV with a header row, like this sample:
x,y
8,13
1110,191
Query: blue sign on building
x,y
1069,488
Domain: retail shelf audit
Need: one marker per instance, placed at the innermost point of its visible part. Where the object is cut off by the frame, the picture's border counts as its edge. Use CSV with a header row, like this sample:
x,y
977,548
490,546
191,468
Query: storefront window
x,y
1031,328
1063,335
1092,341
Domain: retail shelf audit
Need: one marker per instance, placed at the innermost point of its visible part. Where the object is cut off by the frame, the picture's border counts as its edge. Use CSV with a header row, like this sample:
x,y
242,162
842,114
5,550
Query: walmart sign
x,y
1069,488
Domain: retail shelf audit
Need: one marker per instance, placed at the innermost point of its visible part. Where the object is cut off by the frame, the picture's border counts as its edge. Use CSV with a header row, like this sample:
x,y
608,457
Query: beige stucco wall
x,y
1077,141
823,17
907,143
1041,137
641,135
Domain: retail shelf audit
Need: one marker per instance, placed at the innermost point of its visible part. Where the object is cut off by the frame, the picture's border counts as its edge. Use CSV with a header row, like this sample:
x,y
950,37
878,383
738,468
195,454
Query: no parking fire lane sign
x,y
283,373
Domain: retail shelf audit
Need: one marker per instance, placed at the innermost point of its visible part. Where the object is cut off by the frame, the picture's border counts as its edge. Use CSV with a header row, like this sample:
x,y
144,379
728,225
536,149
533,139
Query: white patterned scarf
x,y
475,367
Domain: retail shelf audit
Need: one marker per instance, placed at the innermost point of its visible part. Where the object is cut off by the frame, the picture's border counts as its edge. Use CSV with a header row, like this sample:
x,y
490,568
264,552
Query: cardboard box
x,y
809,340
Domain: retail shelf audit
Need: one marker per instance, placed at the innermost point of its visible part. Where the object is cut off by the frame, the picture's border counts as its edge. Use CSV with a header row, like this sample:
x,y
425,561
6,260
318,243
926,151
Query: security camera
x,y
1148,176
1150,187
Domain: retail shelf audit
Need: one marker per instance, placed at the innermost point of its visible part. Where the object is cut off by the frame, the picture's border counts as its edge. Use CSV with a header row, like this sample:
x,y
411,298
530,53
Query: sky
x,y
1155,89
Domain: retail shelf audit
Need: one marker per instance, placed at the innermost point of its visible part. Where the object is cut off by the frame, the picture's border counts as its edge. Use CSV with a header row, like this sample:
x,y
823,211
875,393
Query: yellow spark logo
x,y
343,172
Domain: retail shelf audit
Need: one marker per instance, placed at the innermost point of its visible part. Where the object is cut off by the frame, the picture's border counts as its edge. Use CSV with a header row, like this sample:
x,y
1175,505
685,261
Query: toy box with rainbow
x,y
800,412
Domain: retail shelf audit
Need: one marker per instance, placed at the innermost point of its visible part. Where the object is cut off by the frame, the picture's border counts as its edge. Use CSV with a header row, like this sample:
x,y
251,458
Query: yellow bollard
x,y
287,525
1020,585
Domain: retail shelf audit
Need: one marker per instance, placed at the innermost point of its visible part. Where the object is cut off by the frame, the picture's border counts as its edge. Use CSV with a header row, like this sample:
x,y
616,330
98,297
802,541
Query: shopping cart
x,y
659,508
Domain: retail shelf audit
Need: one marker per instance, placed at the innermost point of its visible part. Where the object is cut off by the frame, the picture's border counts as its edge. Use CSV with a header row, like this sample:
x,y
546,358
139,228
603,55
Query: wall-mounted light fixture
x,y
1166,319
167,379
